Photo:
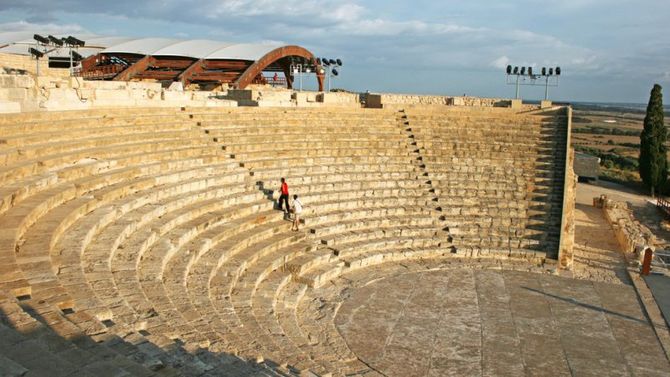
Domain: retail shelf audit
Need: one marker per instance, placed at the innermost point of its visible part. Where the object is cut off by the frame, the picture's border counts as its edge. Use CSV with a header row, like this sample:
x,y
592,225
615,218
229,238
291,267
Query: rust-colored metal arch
x,y
259,65
134,69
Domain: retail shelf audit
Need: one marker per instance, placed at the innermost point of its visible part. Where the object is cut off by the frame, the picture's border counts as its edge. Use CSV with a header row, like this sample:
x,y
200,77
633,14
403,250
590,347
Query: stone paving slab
x,y
660,288
465,322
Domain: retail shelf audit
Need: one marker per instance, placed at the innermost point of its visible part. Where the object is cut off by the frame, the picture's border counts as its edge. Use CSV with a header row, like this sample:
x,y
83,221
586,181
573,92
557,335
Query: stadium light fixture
x,y
55,41
526,76
35,52
74,42
40,39
330,65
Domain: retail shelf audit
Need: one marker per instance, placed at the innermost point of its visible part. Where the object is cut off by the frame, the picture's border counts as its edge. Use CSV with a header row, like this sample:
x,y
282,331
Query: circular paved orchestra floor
x,y
464,322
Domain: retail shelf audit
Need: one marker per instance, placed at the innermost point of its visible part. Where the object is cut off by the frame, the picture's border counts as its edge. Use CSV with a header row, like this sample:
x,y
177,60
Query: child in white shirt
x,y
297,210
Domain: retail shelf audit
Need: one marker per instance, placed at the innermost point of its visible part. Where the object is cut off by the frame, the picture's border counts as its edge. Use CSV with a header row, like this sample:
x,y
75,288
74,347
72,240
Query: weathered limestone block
x,y
340,99
9,107
545,104
632,236
304,98
63,99
14,94
385,100
565,254
144,85
172,95
115,95
105,85
17,81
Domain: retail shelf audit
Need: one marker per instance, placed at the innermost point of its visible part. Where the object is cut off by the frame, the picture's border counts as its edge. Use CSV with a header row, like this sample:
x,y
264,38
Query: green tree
x,y
653,160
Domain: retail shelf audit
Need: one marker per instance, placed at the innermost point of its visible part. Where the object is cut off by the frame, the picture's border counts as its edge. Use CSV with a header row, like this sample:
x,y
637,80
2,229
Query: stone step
x,y
9,156
21,136
306,171
320,155
127,152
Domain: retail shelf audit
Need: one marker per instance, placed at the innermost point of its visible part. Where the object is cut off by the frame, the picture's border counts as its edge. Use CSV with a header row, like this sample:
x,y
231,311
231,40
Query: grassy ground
x,y
614,136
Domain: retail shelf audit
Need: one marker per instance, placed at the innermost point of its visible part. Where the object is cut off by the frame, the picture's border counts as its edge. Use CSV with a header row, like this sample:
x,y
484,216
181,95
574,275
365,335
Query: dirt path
x,y
644,209
597,255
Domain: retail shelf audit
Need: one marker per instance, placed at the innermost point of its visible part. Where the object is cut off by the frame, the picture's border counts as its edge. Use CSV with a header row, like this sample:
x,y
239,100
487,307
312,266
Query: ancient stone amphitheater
x,y
147,241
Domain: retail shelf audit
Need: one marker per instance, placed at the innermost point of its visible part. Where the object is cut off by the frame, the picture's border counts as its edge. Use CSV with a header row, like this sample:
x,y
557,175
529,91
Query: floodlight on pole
x,y
55,41
525,76
41,39
37,54
330,65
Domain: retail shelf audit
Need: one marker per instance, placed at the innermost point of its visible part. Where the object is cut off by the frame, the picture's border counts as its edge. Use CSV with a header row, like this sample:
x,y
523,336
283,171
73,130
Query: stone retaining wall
x,y
632,236
566,252
389,100
28,64
47,93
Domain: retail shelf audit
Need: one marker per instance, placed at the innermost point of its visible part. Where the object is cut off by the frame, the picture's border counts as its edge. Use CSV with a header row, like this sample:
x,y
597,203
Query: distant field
x,y
614,136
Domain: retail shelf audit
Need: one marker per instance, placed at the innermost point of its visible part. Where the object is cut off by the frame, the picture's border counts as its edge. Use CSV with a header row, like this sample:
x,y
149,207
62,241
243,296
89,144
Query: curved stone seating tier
x,y
31,345
41,165
38,143
79,124
148,242
457,154
75,194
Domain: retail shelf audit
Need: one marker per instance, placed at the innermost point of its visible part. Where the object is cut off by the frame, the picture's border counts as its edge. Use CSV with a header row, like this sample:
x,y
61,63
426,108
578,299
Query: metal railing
x,y
664,205
279,81
661,259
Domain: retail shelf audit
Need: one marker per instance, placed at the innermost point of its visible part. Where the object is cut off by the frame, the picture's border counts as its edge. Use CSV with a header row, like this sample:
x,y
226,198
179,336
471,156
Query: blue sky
x,y
609,50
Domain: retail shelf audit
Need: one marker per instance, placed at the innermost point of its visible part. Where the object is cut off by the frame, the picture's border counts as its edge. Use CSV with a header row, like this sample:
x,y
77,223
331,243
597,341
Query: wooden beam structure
x,y
239,73
132,70
186,75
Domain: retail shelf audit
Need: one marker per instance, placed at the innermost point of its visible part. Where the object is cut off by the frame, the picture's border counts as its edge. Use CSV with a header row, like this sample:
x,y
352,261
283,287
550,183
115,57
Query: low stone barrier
x,y
389,100
566,252
632,236
25,92
11,62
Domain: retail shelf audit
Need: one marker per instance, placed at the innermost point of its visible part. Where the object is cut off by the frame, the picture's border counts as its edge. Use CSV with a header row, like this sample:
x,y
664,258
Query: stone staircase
x,y
498,176
147,242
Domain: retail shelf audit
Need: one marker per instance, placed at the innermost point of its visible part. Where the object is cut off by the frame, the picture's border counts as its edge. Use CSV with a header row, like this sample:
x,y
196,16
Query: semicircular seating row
x,y
147,242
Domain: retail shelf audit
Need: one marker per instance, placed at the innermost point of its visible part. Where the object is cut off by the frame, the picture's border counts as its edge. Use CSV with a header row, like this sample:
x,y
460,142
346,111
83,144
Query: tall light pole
x,y
331,65
525,76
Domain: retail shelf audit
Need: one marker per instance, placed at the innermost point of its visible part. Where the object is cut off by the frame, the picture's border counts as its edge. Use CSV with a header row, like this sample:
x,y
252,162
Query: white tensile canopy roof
x,y
194,48
20,42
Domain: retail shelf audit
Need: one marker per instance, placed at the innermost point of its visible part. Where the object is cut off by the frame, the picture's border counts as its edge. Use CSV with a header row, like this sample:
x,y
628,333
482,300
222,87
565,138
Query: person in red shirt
x,y
283,198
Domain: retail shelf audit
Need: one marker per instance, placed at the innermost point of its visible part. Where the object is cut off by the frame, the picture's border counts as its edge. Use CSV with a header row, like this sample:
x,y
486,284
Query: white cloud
x,y
43,28
322,10
501,62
